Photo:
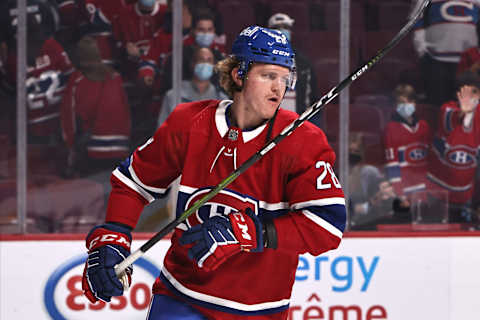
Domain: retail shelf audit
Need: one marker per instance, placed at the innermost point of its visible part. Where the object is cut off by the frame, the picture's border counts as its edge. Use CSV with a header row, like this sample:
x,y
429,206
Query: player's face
x,y
264,89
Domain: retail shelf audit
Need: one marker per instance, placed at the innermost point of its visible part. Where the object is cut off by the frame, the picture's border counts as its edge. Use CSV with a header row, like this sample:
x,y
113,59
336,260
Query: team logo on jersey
x,y
462,157
417,154
224,203
414,154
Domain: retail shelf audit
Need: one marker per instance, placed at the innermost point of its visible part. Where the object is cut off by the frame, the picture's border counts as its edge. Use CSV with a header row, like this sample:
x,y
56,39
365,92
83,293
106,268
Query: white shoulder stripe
x,y
273,206
323,223
132,185
318,202
140,183
220,301
187,189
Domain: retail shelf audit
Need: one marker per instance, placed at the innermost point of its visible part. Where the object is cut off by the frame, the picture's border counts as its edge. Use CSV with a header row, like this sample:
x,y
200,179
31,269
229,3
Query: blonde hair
x,y
224,69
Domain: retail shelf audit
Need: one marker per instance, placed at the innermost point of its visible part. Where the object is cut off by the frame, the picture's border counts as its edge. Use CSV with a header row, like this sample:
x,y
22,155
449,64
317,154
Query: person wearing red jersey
x,y
48,69
236,257
102,16
469,61
456,145
94,113
406,142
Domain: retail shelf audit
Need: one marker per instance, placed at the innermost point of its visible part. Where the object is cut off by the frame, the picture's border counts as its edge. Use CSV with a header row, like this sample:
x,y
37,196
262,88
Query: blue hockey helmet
x,y
263,45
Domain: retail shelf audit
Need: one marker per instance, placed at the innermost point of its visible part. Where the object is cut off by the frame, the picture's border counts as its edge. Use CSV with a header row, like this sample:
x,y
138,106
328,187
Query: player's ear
x,y
236,78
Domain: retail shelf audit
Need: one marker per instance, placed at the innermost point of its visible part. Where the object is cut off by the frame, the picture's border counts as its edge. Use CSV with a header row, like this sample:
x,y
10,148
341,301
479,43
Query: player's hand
x,y
107,245
220,237
468,98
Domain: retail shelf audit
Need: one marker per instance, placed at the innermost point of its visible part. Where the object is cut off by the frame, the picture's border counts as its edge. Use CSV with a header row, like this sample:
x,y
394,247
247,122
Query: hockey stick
x,y
309,113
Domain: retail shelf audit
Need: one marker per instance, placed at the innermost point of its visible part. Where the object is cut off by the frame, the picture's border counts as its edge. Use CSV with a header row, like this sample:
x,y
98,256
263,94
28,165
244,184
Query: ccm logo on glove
x,y
240,221
110,238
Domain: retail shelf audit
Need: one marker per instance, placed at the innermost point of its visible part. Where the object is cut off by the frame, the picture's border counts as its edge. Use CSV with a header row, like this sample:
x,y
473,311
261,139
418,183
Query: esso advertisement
x,y
364,279
64,299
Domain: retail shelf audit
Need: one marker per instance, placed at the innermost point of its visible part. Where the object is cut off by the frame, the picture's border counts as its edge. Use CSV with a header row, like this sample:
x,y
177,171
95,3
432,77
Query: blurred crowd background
x,y
99,83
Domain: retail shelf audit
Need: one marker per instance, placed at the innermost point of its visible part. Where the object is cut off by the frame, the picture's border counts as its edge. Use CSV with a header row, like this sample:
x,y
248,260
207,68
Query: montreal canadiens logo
x,y
462,158
63,296
416,154
224,203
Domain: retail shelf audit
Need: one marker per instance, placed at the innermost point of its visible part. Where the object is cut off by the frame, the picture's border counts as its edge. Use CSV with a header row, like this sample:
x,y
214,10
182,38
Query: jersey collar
x,y
223,125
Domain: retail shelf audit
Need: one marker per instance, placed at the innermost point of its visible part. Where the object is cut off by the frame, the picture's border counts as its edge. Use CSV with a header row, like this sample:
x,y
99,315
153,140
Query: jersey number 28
x,y
326,168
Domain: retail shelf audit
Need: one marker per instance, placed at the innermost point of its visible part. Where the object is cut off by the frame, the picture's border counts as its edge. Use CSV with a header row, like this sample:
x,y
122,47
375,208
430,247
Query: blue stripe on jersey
x,y
393,172
335,214
216,306
448,120
401,156
439,145
123,168
107,143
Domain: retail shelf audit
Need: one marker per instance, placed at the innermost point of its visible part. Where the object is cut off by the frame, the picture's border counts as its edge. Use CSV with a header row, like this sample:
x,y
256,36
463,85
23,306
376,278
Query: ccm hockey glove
x,y
108,245
220,237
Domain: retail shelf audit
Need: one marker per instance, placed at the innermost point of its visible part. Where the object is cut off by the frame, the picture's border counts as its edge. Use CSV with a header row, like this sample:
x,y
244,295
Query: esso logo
x,y
64,299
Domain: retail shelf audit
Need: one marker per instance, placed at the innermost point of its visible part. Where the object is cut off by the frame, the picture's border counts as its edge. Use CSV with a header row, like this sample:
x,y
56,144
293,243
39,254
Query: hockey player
x,y
456,146
236,257
406,141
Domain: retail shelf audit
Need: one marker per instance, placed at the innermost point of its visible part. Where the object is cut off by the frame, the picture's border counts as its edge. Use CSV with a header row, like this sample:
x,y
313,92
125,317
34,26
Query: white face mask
x,y
405,109
204,40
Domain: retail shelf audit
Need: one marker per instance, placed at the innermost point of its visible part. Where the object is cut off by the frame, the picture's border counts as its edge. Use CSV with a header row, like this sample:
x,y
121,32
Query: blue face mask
x,y
405,109
147,3
204,40
203,71
286,32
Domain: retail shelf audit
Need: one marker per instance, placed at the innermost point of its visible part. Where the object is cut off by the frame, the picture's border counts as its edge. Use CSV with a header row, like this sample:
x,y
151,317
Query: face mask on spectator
x,y
204,40
203,71
147,3
286,32
405,109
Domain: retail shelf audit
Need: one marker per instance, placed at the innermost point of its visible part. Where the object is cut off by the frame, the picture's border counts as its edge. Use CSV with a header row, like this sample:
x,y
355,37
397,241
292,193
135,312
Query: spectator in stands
x,y
306,89
446,30
102,17
199,88
135,28
48,69
95,115
202,35
406,141
371,196
456,145
469,61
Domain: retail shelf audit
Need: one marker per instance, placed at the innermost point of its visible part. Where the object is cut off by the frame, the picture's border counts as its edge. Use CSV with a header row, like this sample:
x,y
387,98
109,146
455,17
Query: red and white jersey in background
x,y
138,28
46,81
294,184
104,114
455,150
468,59
406,151
102,16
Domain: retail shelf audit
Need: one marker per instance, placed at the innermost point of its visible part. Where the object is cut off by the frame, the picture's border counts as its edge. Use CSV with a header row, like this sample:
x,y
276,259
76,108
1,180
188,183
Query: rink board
x,y
394,278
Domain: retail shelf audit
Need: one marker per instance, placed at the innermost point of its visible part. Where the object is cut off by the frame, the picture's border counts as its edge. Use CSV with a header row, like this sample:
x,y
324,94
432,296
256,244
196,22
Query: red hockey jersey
x,y
46,82
454,159
138,28
406,150
294,184
103,110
